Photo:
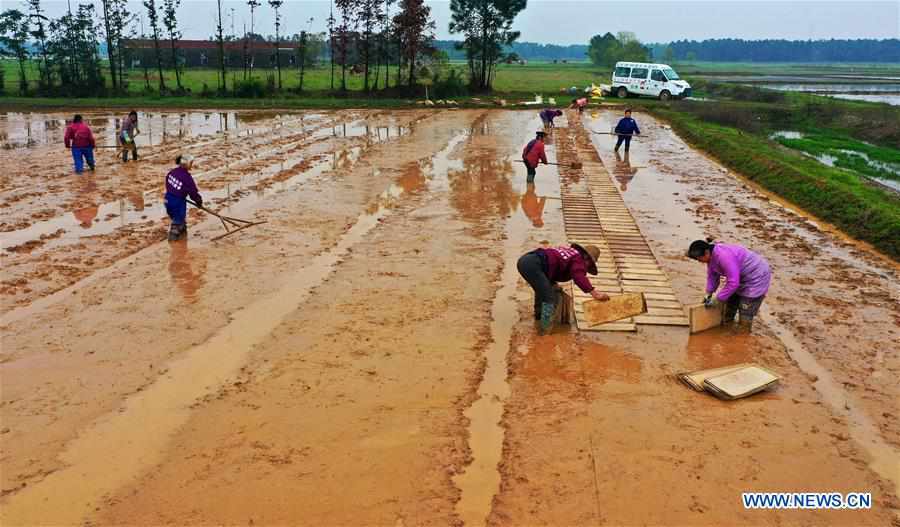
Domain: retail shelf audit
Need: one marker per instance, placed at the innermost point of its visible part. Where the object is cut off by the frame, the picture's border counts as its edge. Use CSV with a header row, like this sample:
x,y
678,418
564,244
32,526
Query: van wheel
x,y
665,95
621,92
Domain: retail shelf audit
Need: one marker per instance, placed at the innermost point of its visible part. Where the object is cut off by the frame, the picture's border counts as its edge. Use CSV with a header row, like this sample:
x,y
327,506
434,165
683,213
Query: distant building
x,y
205,53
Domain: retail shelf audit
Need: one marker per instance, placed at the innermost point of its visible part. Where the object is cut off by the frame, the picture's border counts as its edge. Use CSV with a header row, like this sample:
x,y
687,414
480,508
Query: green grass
x,y
849,153
837,196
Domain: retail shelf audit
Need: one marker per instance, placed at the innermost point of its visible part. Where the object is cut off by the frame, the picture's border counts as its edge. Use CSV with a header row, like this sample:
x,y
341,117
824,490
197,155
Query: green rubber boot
x,y
548,312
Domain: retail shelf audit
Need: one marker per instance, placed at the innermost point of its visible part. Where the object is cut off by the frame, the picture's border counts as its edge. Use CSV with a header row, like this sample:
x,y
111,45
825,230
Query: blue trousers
x,y
176,208
79,155
623,138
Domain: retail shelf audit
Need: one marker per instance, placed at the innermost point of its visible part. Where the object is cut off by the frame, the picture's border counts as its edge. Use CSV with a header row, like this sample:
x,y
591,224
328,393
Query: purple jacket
x,y
566,263
548,115
746,273
180,183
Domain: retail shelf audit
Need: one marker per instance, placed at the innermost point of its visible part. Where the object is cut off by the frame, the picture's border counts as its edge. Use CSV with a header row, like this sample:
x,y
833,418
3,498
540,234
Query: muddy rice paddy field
x,y
368,356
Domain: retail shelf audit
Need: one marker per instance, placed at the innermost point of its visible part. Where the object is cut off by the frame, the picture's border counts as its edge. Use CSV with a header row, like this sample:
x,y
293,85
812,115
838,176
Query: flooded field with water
x,y
368,355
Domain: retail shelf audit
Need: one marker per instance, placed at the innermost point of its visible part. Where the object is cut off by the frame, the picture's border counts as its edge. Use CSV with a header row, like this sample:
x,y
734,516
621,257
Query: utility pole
x,y
232,23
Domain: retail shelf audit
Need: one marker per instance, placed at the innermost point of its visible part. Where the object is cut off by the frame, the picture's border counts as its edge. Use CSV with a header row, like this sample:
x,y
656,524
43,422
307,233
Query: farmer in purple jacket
x,y
542,268
747,278
180,185
547,116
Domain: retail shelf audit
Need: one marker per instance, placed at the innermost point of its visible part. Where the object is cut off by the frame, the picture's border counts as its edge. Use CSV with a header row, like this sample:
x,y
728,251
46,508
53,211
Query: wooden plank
x,y
703,318
655,283
616,308
662,321
612,326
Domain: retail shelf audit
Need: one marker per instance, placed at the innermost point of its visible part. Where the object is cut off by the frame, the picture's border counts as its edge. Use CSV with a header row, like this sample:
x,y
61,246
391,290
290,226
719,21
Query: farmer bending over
x,y
543,268
80,139
126,136
747,278
180,185
547,116
534,153
626,128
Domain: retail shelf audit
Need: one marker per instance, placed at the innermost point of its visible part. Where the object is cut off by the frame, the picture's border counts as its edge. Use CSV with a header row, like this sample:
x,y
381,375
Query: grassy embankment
x,y
736,131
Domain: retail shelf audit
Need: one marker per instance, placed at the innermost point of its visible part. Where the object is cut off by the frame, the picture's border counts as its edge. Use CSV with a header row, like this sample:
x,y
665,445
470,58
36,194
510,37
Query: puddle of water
x,y
787,134
885,459
118,447
480,481
893,100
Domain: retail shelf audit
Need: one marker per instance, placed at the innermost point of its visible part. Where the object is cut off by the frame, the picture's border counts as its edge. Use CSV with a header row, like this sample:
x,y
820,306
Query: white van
x,y
641,78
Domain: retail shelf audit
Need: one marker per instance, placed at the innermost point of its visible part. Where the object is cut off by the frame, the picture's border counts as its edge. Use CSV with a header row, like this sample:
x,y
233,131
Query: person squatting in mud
x,y
126,136
179,186
80,139
544,267
533,153
547,116
747,277
626,129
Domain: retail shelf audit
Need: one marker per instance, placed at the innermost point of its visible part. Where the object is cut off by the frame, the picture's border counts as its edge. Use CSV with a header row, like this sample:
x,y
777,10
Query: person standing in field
x,y
547,116
81,140
626,129
534,154
179,186
543,268
747,279
579,104
126,136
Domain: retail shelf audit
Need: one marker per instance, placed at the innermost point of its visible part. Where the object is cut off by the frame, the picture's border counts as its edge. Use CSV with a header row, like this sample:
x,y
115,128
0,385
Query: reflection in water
x,y
182,266
482,188
87,208
413,179
718,347
623,172
533,206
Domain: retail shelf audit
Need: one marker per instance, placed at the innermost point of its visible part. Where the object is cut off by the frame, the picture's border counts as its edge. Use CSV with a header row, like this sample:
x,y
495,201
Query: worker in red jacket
x,y
533,154
80,139
544,267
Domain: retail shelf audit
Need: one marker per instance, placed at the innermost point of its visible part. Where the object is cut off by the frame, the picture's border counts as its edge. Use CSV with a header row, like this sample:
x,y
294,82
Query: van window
x,y
623,72
670,73
639,73
657,75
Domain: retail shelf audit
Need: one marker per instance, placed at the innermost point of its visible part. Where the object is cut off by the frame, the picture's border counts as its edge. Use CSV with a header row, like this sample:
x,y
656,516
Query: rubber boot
x,y
124,156
744,326
548,311
537,309
177,232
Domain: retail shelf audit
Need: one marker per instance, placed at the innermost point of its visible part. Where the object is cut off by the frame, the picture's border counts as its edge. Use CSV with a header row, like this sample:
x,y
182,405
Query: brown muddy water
x,y
368,356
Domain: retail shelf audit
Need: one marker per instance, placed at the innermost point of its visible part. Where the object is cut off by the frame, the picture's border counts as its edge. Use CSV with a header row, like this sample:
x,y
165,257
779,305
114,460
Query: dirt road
x,y
367,357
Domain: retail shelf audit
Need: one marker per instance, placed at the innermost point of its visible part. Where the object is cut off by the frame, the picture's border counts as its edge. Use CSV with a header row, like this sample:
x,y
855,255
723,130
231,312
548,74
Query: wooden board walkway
x,y
594,213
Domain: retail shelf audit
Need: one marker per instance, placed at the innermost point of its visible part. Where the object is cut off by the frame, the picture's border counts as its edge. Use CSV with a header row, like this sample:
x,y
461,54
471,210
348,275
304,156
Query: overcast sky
x,y
574,22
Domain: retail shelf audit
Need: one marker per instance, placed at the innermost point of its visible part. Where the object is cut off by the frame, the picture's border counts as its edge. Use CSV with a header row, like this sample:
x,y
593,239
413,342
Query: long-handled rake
x,y
574,165
232,225
614,133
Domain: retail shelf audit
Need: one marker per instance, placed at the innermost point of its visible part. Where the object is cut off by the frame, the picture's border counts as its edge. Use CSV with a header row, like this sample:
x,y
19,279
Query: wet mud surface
x,y
368,356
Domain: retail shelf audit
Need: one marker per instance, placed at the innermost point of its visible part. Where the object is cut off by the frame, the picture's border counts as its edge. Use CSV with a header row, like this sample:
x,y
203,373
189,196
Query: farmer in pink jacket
x,y
747,278
80,139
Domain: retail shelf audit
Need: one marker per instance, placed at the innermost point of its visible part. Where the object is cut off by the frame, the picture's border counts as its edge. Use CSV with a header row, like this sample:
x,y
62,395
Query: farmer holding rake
x,y
533,154
626,129
126,136
179,185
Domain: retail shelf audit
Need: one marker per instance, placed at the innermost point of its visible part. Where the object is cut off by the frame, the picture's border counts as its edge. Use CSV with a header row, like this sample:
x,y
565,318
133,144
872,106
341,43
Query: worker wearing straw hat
x,y
544,267
179,186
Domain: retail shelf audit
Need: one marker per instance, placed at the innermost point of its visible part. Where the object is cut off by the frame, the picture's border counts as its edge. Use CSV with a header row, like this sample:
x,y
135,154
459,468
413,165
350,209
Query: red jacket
x,y
534,152
566,263
79,136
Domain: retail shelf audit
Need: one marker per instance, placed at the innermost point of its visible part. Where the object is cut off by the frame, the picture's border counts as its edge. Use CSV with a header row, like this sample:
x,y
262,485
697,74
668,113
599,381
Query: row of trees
x,y
738,50
364,36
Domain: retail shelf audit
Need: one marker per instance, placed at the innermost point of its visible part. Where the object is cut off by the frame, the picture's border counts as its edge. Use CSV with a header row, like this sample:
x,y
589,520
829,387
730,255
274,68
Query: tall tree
x,y
276,5
253,5
121,18
153,16
369,16
220,37
39,34
415,30
14,38
110,42
170,21
487,27
346,8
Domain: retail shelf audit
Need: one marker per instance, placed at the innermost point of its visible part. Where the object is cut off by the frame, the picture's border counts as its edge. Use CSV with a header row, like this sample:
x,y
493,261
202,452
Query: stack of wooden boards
x,y
595,213
730,382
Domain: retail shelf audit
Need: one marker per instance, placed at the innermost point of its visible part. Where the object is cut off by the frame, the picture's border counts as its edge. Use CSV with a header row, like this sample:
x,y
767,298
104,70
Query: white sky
x,y
575,21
